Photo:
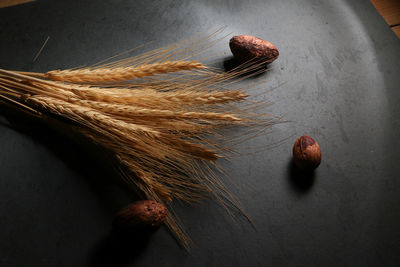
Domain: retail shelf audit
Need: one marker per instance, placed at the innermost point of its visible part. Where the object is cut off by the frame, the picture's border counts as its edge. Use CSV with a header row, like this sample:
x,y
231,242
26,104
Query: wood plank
x,y
6,3
389,9
396,30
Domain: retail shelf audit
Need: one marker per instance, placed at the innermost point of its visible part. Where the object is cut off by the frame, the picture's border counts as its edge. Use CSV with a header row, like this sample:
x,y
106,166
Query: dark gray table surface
x,y
340,68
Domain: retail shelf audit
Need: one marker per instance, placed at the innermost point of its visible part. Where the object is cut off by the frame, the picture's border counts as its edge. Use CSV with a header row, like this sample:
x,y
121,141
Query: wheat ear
x,y
131,133
153,97
80,114
132,111
103,75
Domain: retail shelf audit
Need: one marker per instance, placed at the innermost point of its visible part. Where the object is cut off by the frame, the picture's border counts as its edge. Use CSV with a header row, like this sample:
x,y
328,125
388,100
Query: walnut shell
x,y
306,153
247,47
141,213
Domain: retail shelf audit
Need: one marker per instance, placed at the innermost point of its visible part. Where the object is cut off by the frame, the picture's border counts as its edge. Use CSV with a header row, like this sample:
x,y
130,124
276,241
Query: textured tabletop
x,y
337,79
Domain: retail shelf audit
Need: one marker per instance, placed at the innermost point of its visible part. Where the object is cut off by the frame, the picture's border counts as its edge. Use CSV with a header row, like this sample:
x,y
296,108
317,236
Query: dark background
x,y
339,77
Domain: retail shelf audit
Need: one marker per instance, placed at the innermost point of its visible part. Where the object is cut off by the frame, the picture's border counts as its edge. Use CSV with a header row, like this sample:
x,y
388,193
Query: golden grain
x,y
159,128
120,73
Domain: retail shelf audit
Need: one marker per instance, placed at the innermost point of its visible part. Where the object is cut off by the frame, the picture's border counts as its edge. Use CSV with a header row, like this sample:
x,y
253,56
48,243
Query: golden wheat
x,y
132,111
134,133
173,101
162,129
81,113
102,75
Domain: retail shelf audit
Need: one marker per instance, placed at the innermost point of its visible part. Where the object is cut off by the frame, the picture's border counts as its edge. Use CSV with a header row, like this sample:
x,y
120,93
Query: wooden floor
x,y
6,3
389,10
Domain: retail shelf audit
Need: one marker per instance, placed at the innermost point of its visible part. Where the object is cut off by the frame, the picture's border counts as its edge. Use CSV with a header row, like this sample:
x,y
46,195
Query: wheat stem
x,y
132,111
102,75
82,114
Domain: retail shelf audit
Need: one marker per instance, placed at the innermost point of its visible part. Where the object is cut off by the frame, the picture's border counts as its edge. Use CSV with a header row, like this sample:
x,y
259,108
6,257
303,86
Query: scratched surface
x,y
339,80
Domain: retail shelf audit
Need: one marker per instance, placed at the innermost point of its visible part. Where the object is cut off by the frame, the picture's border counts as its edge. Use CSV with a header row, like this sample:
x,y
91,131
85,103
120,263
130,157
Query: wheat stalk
x,y
81,113
158,128
132,111
134,133
104,75
117,132
142,96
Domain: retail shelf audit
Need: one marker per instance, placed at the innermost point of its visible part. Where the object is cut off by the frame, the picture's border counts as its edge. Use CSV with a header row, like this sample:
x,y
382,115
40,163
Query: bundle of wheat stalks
x,y
159,113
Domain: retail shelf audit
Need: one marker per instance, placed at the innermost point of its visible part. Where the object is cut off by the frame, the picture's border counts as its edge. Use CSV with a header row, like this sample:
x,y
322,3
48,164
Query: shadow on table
x,y
300,181
97,166
79,153
251,69
121,247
